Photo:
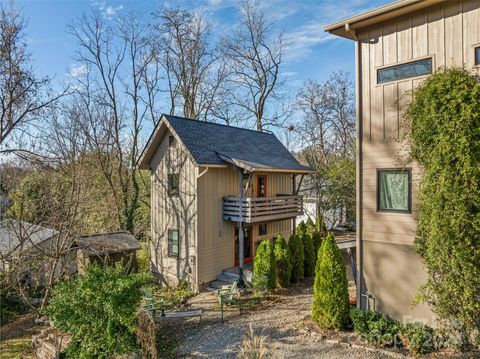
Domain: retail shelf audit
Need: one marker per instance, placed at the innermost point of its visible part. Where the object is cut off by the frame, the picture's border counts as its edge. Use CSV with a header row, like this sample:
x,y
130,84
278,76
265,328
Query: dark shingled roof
x,y
106,243
211,144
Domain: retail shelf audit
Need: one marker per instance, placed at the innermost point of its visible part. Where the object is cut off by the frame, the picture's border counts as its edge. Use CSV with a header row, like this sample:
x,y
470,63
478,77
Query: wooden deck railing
x,y
263,209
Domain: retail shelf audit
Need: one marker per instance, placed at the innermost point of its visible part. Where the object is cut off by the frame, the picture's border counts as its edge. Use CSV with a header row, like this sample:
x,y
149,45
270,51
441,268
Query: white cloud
x,y
77,71
108,11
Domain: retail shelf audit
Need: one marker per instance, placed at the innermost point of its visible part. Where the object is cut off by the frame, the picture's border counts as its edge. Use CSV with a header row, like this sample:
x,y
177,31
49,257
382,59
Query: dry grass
x,y
253,346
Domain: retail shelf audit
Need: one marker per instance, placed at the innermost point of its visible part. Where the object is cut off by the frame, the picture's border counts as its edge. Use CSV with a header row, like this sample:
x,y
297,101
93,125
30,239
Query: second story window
x,y
477,55
261,186
173,184
404,71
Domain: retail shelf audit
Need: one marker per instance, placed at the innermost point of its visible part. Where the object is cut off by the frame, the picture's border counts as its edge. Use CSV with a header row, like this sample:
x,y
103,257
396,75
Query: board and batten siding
x,y
174,213
216,237
447,33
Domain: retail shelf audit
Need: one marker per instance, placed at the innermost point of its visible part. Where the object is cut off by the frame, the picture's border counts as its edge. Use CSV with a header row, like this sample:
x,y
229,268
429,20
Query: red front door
x,y
247,245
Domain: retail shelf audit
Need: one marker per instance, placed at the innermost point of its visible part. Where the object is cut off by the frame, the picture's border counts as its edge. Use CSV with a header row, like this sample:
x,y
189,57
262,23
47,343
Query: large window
x,y
394,191
173,184
173,243
404,71
477,55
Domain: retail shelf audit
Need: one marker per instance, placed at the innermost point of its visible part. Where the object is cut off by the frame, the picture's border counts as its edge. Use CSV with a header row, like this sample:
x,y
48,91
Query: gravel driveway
x,y
282,322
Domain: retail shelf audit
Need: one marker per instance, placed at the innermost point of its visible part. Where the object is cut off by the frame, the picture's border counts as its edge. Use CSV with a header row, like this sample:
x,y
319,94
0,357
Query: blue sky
x,y
310,52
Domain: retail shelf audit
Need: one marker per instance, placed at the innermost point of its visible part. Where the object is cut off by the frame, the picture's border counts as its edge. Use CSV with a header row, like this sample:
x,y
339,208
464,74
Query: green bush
x,y
174,296
443,134
418,338
330,292
99,310
317,241
264,274
301,228
282,261
310,226
295,246
309,255
375,328
321,226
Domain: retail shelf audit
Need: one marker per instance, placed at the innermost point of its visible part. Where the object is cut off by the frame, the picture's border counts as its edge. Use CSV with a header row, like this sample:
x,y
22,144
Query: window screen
x,y
394,190
404,71
477,55
173,243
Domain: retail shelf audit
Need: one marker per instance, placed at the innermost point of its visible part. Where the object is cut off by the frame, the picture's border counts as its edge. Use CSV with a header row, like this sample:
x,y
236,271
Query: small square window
x,y
394,190
171,141
173,243
173,184
477,55
262,229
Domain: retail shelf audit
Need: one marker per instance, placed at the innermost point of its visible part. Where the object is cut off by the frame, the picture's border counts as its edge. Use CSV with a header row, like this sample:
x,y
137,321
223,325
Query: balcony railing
x,y
261,209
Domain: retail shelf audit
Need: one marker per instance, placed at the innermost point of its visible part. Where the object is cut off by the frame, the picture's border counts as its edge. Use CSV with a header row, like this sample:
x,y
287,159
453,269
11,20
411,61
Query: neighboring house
x,y
397,47
107,249
215,187
26,249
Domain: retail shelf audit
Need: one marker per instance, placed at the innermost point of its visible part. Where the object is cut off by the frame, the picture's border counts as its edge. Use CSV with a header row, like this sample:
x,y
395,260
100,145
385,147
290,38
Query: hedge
x,y
282,261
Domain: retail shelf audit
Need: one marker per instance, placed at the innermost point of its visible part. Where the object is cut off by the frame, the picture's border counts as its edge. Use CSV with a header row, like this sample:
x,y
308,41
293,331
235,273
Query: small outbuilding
x,y
107,249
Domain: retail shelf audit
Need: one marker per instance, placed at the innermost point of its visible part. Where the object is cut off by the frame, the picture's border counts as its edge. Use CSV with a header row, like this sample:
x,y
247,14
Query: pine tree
x,y
264,274
297,258
282,261
330,292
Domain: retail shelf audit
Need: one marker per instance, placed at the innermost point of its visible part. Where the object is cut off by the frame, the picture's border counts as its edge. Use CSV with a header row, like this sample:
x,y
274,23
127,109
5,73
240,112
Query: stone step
x,y
227,278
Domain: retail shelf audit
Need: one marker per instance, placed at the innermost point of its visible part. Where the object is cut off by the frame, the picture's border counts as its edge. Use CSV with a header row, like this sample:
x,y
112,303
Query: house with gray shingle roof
x,y
217,191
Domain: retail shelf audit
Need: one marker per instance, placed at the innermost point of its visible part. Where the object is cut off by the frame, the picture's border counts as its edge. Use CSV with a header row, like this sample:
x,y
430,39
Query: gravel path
x,y
282,322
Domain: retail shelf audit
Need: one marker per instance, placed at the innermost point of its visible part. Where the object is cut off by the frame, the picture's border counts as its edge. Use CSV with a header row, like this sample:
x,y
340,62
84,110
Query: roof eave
x,y
346,28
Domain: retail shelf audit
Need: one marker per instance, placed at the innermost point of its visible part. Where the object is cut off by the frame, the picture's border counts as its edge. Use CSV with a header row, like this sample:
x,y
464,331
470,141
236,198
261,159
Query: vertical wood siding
x,y
216,249
447,33
174,213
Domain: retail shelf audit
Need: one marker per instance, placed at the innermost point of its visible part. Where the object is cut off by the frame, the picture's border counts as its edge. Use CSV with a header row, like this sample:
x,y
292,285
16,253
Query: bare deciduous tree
x,y
23,95
193,70
254,55
115,97
328,141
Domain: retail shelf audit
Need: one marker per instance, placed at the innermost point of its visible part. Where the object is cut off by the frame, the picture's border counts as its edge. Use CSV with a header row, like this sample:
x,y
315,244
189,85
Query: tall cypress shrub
x,y
321,226
282,262
443,130
264,274
317,241
309,255
310,226
297,258
330,291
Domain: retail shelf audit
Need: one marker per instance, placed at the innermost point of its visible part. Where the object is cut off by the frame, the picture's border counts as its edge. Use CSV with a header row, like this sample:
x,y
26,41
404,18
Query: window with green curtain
x,y
393,190
173,243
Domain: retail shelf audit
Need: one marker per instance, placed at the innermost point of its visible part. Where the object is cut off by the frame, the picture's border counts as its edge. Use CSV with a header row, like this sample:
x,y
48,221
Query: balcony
x,y
263,209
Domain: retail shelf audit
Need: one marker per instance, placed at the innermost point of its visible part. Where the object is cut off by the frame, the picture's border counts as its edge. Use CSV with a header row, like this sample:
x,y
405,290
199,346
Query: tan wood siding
x,y
174,213
216,249
445,32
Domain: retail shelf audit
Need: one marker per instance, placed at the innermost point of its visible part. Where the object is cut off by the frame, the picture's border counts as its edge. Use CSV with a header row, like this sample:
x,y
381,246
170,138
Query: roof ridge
x,y
220,124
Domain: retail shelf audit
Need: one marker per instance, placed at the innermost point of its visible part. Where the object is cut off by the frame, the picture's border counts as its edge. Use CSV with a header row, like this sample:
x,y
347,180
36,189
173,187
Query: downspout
x,y
240,228
359,169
